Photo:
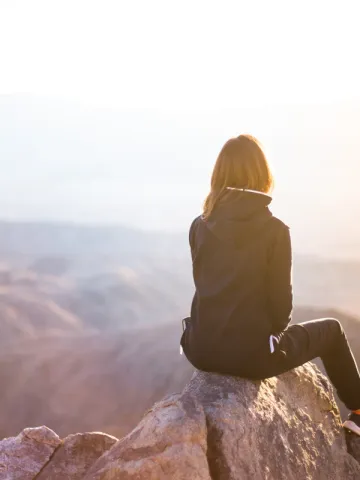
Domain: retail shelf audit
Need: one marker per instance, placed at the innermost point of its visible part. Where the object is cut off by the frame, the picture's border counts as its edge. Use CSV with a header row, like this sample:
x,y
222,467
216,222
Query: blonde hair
x,y
241,164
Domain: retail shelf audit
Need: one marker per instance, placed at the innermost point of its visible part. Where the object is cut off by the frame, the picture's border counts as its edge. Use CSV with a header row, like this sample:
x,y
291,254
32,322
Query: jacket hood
x,y
240,216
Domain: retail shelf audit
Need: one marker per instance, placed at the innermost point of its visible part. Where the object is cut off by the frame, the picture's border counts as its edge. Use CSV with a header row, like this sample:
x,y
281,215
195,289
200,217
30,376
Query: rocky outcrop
x,y
76,455
23,457
38,453
218,428
225,428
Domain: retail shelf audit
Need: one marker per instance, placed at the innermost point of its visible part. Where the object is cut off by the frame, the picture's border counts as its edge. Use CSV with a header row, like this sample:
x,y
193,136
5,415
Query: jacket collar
x,y
248,191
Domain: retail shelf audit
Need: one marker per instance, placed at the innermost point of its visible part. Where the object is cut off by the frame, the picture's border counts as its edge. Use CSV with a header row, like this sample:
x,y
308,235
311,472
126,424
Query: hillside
x,y
111,278
43,239
102,274
89,383
25,315
101,382
106,318
89,298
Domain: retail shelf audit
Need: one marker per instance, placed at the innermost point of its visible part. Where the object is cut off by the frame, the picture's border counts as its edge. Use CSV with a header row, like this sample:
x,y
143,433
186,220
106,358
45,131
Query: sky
x,y
195,54
114,111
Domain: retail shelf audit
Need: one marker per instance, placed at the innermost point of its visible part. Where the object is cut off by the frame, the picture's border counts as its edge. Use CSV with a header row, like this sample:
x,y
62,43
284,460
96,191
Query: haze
x,y
114,112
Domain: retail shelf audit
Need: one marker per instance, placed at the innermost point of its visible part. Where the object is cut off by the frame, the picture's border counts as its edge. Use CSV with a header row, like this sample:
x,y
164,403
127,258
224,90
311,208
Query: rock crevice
x,y
38,475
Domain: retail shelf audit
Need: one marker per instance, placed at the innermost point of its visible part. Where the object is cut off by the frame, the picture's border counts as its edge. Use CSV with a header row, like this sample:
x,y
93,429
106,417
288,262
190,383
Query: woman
x,y
242,307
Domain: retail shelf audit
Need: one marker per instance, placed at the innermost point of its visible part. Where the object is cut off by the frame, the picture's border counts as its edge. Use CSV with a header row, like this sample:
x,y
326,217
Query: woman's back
x,y
232,255
242,306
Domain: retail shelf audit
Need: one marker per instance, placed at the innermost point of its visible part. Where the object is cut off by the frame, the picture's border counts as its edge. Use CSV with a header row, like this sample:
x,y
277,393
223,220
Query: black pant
x,y
326,339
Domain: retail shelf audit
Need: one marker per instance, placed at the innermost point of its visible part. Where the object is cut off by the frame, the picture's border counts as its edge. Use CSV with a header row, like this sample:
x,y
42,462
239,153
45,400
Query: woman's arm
x,y
280,281
192,237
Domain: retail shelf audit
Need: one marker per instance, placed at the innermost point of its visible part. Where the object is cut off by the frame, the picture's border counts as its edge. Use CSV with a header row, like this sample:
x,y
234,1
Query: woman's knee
x,y
335,325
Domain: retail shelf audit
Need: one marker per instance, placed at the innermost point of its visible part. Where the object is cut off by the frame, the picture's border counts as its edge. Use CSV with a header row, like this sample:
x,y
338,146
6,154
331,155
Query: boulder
x,y
227,428
38,453
219,428
76,455
22,457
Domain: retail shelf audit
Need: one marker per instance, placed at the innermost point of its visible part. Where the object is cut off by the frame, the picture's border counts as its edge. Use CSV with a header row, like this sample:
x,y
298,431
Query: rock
x,y
22,457
169,443
219,428
39,453
353,445
75,456
227,428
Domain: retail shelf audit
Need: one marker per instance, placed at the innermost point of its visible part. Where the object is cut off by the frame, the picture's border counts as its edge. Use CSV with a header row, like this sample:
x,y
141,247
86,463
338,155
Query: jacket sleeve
x,y
280,294
192,237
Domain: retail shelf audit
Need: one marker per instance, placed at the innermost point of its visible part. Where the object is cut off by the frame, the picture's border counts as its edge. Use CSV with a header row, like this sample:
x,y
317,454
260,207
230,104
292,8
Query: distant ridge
x,y
66,238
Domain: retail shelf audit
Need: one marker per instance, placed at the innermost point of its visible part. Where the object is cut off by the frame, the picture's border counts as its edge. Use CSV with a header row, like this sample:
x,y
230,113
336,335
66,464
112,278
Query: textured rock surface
x,y
38,453
218,428
75,456
353,445
22,457
225,428
169,443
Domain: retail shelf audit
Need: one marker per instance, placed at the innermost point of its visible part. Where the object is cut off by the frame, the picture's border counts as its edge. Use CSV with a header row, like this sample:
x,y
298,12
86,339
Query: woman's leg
x,y
326,339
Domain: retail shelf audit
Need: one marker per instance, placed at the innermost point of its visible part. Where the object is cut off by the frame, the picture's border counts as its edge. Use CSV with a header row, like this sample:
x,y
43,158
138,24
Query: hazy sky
x,y
188,53
128,103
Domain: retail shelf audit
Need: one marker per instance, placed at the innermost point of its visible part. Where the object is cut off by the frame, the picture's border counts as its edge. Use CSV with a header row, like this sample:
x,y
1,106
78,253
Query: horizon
x,y
298,253
79,172
124,127
85,165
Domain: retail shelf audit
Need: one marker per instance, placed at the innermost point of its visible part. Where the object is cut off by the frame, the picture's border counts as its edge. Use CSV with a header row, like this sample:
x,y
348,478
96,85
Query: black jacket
x,y
242,272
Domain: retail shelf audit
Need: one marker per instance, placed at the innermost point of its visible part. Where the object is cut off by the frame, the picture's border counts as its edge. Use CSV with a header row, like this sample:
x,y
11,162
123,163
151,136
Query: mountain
x,y
103,272
88,299
90,316
25,315
110,378
56,239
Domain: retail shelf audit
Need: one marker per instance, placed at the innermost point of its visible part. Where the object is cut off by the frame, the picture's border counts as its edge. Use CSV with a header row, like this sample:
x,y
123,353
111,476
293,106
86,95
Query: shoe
x,y
353,423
